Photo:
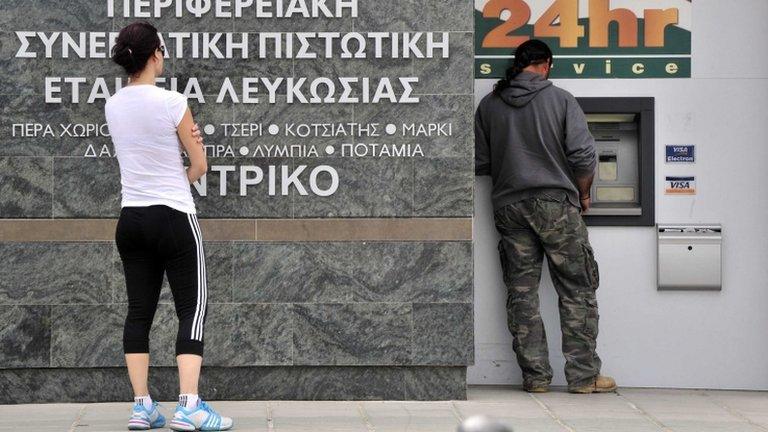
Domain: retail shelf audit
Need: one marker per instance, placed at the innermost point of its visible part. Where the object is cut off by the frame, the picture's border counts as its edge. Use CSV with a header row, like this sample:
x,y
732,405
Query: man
x,y
532,138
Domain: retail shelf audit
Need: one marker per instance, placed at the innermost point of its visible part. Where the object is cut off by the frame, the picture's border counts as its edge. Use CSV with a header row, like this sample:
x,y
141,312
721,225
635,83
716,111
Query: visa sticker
x,y
681,154
681,186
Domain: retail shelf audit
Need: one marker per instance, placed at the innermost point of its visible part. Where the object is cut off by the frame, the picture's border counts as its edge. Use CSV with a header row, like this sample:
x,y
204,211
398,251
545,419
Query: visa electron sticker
x,y
681,154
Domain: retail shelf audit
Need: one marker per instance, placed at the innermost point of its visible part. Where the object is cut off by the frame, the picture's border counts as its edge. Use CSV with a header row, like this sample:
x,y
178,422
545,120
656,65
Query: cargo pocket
x,y
591,267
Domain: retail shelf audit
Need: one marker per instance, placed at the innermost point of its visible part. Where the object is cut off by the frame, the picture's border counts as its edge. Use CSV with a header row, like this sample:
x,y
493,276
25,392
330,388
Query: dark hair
x,y
135,44
532,52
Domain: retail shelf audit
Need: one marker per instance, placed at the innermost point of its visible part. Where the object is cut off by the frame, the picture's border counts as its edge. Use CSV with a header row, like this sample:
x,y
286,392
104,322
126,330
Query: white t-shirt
x,y
143,120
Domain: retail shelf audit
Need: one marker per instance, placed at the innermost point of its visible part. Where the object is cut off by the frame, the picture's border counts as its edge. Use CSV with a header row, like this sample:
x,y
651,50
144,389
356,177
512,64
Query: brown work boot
x,y
540,388
603,384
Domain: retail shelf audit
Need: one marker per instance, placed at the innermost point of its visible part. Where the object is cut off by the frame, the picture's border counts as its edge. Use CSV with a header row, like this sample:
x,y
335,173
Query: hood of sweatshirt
x,y
524,88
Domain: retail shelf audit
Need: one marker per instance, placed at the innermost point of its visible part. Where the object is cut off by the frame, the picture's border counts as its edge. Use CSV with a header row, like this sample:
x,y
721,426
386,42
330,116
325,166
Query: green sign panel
x,y
589,38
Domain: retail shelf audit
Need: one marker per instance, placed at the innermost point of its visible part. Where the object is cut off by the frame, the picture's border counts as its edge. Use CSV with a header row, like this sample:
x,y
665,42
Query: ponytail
x,y
532,52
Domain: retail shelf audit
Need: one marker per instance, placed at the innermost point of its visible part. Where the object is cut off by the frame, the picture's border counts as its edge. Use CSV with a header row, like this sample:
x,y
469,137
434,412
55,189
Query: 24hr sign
x,y
589,38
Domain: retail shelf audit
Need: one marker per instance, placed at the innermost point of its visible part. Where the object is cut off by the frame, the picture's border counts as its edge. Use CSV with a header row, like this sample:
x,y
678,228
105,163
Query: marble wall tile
x,y
24,108
67,115
25,337
444,187
255,203
48,15
55,273
21,76
168,22
91,68
455,110
243,383
285,273
61,139
453,343
406,272
210,74
264,333
415,15
256,67
26,185
283,115
356,272
367,188
86,187
67,385
452,75
87,335
435,383
352,334
300,309
369,67
251,22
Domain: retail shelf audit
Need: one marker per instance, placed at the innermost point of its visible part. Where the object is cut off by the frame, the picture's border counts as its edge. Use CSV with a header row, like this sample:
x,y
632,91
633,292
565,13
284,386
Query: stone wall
x,y
366,294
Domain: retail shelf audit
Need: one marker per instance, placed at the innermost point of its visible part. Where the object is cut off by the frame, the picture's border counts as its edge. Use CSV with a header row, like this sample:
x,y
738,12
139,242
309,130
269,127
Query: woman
x,y
158,231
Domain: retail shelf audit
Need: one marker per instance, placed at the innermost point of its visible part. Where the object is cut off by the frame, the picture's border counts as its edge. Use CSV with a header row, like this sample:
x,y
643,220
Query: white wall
x,y
670,339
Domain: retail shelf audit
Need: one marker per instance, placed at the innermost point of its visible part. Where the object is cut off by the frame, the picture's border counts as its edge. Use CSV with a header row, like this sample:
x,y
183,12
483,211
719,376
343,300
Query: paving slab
x,y
631,410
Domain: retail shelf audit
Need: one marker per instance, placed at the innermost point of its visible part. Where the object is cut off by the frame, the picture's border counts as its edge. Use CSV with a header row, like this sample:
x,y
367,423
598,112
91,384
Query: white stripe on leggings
x,y
196,330
204,301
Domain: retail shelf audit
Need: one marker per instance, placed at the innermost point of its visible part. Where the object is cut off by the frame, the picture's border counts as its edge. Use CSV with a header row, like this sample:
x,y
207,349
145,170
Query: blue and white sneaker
x,y
145,419
200,418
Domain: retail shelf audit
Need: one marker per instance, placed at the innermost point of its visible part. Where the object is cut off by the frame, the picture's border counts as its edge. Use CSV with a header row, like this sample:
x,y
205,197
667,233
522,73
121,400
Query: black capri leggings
x,y
152,241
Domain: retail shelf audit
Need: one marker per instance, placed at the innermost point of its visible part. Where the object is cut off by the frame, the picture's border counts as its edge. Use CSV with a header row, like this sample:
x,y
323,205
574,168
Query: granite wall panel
x,y
25,336
451,75
353,272
24,76
242,383
223,193
55,273
284,273
86,188
352,334
455,110
453,344
444,187
373,188
43,15
87,335
303,319
26,186
415,15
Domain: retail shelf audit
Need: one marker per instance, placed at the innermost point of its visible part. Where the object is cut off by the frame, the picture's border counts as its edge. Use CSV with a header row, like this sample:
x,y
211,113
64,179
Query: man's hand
x,y
197,135
586,203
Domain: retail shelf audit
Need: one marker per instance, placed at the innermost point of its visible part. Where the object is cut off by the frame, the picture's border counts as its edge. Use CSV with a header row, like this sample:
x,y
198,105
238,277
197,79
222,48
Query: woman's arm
x,y
196,152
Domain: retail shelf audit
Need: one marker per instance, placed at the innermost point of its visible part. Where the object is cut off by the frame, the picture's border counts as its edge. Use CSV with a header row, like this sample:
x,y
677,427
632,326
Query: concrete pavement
x,y
630,410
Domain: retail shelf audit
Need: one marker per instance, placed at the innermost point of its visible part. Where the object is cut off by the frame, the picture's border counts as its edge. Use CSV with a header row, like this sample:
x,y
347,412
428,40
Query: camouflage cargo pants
x,y
549,225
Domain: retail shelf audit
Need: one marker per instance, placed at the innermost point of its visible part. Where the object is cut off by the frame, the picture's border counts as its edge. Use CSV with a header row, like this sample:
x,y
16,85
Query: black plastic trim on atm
x,y
644,108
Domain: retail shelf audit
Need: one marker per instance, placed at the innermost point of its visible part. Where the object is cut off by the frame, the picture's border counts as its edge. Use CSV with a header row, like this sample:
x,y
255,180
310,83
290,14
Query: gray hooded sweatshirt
x,y
532,139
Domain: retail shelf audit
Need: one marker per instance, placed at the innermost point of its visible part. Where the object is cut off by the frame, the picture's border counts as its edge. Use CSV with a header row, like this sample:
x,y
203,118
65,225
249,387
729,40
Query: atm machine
x,y
623,190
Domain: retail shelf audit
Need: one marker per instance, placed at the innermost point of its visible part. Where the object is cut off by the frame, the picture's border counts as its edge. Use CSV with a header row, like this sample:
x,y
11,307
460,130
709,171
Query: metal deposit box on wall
x,y
623,190
690,257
